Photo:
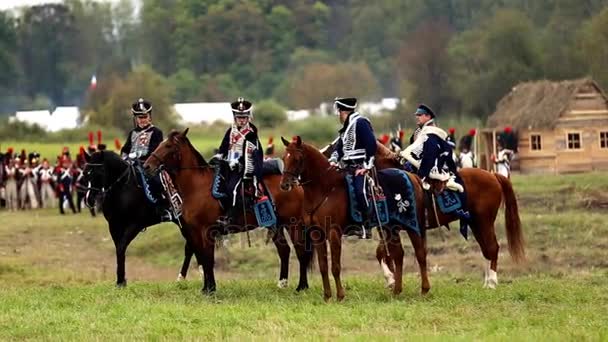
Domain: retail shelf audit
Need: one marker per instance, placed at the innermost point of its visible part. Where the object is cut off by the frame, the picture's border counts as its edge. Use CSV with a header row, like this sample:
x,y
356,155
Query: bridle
x,y
295,179
103,191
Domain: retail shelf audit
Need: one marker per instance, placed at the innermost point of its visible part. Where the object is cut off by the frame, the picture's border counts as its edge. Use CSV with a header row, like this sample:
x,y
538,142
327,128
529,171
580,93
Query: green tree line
x,y
460,56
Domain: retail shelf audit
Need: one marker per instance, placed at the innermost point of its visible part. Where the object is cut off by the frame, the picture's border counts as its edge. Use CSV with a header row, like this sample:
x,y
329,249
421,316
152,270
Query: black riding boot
x,y
363,231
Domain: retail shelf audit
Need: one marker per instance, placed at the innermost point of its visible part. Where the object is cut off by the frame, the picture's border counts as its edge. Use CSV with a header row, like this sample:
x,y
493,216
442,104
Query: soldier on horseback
x,y
141,142
355,152
145,137
241,160
429,154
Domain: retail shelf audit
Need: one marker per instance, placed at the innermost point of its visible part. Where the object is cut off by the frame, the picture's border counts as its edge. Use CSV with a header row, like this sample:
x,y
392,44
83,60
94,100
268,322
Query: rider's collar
x,y
138,129
347,121
242,129
428,123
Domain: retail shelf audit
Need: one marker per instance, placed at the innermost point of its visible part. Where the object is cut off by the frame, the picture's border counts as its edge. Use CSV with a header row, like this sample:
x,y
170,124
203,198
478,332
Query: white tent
x,y
204,112
38,117
63,118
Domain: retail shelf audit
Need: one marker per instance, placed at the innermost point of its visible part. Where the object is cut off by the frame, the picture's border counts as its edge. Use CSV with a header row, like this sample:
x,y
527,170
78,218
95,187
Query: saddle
x,y
262,207
448,201
398,203
159,187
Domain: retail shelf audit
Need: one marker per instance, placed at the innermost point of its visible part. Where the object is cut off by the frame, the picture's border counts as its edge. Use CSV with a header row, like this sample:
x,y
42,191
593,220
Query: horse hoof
x,y
302,288
326,298
282,283
424,291
180,277
121,284
390,283
208,292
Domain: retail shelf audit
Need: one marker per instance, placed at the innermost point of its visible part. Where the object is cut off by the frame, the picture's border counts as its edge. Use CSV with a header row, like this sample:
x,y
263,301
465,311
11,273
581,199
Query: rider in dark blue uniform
x,y
141,142
355,151
242,152
430,154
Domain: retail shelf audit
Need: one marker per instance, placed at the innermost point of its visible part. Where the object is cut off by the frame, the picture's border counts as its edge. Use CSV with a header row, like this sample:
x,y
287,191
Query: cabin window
x,y
535,142
574,141
604,140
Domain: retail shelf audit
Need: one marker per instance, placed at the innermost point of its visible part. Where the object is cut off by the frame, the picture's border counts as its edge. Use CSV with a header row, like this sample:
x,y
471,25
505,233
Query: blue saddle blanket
x,y
453,202
400,199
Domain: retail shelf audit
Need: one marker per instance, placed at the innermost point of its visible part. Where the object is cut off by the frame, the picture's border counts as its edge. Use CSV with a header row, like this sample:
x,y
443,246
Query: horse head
x,y
101,171
168,154
293,160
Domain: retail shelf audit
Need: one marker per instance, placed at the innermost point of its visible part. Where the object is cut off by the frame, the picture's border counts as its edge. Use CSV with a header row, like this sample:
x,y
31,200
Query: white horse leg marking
x,y
180,277
490,278
388,275
200,270
282,284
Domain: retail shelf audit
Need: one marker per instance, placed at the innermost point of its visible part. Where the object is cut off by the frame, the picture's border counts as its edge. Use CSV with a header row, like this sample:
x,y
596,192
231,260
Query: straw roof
x,y
538,104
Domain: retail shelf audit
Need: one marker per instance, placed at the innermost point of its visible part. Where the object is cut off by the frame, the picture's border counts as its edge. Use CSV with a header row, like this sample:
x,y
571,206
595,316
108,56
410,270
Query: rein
x,y
161,164
103,191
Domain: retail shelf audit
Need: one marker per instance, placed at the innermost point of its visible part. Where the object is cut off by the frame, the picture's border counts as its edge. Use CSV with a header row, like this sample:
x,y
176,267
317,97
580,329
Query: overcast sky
x,y
6,4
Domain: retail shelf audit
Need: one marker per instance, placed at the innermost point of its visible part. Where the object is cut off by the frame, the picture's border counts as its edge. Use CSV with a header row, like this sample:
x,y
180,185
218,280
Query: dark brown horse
x,y
326,214
485,192
194,180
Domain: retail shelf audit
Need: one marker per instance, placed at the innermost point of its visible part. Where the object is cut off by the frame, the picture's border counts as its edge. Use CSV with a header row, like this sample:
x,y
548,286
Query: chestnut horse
x,y
326,214
485,192
194,180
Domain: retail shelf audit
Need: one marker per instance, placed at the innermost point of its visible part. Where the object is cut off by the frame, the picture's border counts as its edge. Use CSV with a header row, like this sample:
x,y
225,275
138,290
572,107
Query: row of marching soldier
x,y
28,181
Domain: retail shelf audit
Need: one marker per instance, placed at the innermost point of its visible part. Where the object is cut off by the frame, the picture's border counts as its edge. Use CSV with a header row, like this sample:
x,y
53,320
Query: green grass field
x,y
57,276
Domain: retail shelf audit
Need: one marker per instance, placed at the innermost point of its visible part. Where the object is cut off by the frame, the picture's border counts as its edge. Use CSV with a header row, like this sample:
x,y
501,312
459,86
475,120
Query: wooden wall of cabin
x,y
588,118
536,161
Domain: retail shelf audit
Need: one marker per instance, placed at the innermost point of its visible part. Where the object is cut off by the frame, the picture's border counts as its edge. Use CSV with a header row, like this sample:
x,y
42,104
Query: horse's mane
x,y
110,157
199,158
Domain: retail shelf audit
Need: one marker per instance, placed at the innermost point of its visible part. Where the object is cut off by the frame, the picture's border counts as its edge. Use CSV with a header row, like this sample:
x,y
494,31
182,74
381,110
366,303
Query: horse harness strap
x,y
314,210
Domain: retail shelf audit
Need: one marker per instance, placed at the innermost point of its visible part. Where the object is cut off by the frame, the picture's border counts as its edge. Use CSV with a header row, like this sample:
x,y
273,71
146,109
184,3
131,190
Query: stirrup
x,y
224,220
166,216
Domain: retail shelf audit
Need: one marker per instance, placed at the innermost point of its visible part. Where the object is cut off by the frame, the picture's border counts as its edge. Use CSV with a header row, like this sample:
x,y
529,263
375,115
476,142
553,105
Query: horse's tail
x,y
515,236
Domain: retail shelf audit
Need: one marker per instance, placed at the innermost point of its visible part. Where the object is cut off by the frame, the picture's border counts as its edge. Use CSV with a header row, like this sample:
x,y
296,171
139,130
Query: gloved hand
x,y
133,155
425,185
216,159
233,164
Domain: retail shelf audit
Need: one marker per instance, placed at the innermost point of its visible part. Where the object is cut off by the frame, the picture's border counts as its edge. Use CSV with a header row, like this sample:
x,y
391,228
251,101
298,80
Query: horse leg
x,y
298,238
485,235
208,259
386,264
335,243
187,257
283,250
419,244
319,239
396,250
122,238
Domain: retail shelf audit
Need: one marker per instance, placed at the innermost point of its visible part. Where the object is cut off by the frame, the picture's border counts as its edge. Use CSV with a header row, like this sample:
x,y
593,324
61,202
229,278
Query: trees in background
x,y
459,56
110,104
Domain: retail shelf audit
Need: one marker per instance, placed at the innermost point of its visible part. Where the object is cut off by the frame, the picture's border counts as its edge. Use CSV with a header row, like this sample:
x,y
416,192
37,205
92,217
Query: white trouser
x,y
27,192
11,194
47,195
